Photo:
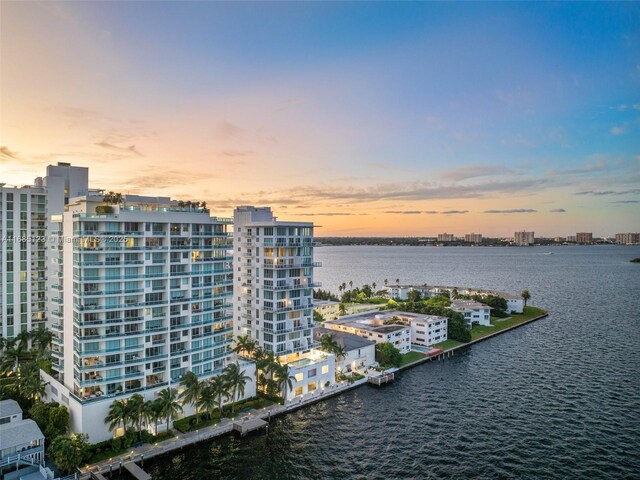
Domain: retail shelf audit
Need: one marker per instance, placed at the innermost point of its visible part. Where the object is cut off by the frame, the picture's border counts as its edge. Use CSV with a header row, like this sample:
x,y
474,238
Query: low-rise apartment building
x,y
473,312
329,309
428,330
360,352
377,326
18,437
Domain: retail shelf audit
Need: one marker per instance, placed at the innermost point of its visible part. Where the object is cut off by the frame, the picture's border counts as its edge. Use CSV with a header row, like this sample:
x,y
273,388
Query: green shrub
x,y
116,444
104,209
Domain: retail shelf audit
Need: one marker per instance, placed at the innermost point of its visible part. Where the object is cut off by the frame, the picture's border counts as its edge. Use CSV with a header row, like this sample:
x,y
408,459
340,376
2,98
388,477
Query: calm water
x,y
558,398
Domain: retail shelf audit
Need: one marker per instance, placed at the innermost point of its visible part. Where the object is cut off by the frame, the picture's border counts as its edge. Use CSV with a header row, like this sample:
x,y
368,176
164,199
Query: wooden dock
x,y
136,471
382,379
247,426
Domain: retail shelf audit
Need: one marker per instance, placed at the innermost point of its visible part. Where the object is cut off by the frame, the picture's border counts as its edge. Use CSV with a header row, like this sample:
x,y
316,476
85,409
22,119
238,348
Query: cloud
x,y
618,130
236,153
129,149
621,202
558,210
627,106
474,171
596,193
428,212
406,212
454,212
513,210
6,155
329,214
227,131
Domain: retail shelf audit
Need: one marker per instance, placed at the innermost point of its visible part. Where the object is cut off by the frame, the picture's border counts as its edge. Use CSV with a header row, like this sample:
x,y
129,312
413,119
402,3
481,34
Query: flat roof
x,y
468,305
320,303
18,433
348,341
374,320
9,408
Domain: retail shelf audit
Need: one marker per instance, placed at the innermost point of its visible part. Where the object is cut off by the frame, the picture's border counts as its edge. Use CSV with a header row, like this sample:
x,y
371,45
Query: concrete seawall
x,y
226,426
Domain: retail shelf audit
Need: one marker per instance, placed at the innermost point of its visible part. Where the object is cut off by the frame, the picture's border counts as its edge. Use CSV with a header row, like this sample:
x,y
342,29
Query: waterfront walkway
x,y
226,426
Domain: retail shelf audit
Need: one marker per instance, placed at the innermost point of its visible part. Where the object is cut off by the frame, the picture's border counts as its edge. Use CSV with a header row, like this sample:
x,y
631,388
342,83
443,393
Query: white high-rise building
x,y
273,295
273,281
26,247
524,238
143,296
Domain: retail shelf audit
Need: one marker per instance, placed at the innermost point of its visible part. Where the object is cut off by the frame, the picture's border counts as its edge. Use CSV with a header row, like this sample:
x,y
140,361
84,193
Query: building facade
x,y
428,330
446,237
329,309
26,246
360,352
523,238
627,238
273,282
21,440
143,296
473,238
473,312
584,238
377,326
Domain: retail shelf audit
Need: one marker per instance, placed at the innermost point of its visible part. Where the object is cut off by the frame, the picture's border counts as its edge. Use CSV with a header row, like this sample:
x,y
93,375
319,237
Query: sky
x,y
393,119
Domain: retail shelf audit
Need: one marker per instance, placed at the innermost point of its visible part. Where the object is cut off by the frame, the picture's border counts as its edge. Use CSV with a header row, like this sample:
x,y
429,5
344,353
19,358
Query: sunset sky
x,y
367,119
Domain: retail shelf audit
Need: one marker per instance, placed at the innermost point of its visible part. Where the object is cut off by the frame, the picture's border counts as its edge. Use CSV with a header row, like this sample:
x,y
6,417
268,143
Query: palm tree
x,y
342,309
219,389
208,400
169,404
29,383
244,344
373,286
525,296
135,410
23,338
192,391
327,343
350,284
386,282
12,356
155,413
339,352
397,281
284,380
118,415
42,338
236,379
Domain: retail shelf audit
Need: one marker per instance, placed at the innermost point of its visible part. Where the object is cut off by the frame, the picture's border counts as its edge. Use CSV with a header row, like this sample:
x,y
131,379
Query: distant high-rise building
x,y
572,239
473,238
446,237
584,238
627,238
524,238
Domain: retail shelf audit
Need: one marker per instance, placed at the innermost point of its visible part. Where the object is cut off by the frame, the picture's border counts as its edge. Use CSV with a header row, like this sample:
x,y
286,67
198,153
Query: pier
x,y
382,379
250,425
136,471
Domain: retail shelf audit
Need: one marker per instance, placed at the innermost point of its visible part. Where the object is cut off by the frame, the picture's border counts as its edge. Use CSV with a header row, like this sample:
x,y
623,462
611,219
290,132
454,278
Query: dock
x,y
136,471
250,425
384,378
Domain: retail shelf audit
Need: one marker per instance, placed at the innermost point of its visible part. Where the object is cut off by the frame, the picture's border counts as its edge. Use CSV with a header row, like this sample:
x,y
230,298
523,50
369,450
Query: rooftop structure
x,y
378,326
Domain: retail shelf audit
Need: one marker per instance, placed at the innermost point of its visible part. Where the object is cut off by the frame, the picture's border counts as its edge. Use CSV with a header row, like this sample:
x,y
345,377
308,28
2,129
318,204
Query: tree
x,y
169,405
414,296
525,296
397,281
41,339
327,343
52,418
339,352
386,282
457,328
135,410
388,355
12,356
317,317
69,452
207,401
219,389
244,344
236,379
192,391
373,286
342,309
118,415
283,379
29,382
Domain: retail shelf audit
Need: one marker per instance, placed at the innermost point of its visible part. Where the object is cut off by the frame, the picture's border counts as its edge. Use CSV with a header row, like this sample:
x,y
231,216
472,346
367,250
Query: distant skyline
x,y
394,119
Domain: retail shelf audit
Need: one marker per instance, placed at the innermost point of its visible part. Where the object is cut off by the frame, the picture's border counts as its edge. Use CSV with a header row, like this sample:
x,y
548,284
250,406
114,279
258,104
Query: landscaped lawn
x,y
480,331
411,357
447,344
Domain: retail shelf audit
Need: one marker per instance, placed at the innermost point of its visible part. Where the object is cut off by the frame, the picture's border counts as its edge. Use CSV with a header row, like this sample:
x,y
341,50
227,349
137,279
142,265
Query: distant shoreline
x,y
420,242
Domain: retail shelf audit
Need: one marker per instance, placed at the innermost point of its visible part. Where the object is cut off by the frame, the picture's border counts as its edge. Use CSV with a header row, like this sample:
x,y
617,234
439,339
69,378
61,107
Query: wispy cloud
x,y
513,210
225,130
474,171
597,193
627,106
329,214
618,130
404,212
454,212
6,155
426,212
130,149
558,210
621,202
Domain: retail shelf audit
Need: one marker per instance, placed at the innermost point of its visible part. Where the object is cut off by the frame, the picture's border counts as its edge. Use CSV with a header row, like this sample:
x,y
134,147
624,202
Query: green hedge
x,y
104,209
